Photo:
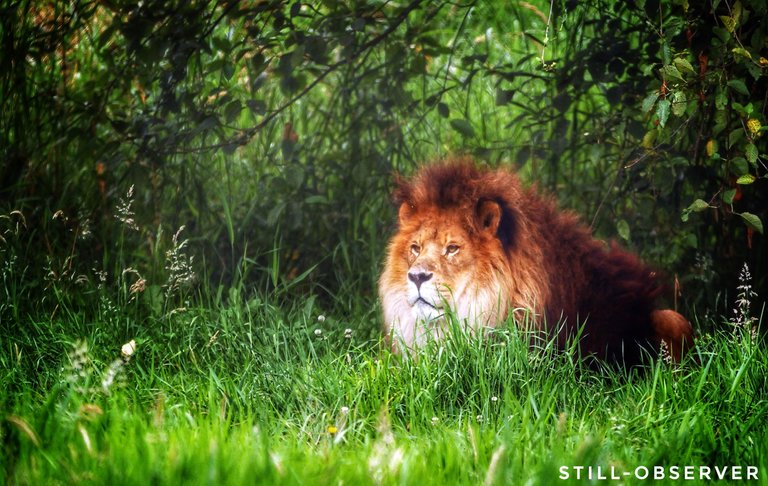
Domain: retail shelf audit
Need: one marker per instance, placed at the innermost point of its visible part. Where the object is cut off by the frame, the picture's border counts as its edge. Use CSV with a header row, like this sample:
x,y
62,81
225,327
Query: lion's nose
x,y
419,278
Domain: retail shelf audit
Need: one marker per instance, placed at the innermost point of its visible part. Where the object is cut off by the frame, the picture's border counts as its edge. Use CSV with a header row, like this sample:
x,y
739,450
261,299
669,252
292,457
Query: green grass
x,y
251,393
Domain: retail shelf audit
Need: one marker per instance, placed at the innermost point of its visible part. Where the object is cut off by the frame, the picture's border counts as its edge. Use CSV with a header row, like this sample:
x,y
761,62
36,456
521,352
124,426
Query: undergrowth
x,y
254,391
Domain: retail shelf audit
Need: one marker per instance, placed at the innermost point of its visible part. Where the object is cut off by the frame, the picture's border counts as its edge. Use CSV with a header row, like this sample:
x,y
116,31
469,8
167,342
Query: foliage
x,y
270,131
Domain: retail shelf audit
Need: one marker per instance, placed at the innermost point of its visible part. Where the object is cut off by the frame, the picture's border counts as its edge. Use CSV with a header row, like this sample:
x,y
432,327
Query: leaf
x,y
442,108
738,86
679,103
751,153
316,199
228,70
752,221
671,71
295,9
745,179
257,106
622,227
729,23
463,127
649,101
739,166
711,147
698,205
232,111
728,196
735,136
649,139
742,52
274,214
721,101
683,65
662,111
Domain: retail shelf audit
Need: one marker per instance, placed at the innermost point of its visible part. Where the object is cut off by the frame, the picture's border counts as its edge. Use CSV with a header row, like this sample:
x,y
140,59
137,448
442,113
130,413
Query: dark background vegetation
x,y
154,152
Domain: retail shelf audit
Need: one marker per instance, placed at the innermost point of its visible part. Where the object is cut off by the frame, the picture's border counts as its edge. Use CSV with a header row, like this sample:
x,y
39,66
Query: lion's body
x,y
477,241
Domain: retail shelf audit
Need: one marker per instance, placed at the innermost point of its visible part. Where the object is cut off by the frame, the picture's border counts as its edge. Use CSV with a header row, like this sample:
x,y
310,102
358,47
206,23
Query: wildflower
x,y
138,286
179,265
754,126
332,429
345,410
124,212
321,318
494,399
745,294
664,352
479,419
435,420
347,333
111,374
318,332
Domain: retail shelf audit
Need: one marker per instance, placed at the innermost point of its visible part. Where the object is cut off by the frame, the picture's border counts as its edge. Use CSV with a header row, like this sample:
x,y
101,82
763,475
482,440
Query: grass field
x,y
260,392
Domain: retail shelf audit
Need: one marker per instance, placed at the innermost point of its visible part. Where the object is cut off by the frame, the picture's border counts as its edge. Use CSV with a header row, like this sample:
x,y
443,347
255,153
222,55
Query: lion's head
x,y
456,231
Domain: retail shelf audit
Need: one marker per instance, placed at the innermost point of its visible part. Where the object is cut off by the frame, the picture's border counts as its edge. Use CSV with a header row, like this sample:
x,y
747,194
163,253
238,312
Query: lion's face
x,y
438,259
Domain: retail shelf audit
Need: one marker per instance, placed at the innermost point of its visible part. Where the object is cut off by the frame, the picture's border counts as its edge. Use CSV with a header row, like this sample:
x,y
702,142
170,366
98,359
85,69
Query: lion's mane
x,y
550,264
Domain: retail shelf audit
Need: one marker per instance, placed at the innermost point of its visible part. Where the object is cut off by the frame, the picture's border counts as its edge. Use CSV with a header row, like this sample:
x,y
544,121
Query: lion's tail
x,y
674,330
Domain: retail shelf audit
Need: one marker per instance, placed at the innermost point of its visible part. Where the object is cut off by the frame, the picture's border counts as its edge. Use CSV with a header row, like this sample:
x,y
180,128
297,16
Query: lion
x,y
476,242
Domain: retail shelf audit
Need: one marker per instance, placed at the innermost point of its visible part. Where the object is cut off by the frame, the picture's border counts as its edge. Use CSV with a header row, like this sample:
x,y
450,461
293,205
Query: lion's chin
x,y
425,311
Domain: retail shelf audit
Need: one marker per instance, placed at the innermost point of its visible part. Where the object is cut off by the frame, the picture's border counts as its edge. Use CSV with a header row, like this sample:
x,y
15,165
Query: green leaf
x,y
683,65
463,127
729,23
739,166
623,229
232,110
443,109
742,52
695,207
662,111
698,205
728,196
649,101
721,101
752,221
735,136
671,71
227,70
738,86
745,179
751,153
679,103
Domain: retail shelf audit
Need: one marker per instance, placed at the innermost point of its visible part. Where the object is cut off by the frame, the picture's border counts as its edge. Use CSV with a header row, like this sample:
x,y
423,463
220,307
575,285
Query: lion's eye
x,y
451,249
415,249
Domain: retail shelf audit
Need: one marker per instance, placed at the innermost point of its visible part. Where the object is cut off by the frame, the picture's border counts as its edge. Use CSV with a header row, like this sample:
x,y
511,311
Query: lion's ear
x,y
405,212
488,216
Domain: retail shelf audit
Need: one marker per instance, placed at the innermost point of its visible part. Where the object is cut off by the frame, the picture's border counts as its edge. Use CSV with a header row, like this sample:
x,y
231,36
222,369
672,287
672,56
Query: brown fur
x,y
534,258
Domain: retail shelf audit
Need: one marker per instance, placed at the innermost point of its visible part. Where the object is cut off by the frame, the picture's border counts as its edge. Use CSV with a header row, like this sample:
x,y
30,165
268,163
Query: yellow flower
x,y
763,62
754,125
332,429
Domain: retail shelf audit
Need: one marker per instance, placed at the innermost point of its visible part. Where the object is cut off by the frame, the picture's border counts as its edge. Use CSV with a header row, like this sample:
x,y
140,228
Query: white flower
x,y
128,348
318,332
321,318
